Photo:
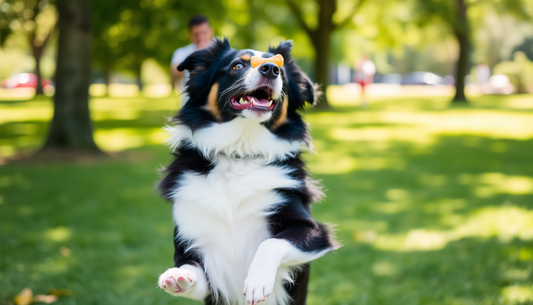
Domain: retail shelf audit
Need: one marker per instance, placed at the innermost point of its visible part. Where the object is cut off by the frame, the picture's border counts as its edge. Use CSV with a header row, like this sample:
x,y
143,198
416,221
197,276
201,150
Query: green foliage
x,y
519,71
31,17
126,33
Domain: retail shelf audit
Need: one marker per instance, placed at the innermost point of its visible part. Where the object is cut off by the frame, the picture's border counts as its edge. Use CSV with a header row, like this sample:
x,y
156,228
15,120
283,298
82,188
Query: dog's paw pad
x,y
177,281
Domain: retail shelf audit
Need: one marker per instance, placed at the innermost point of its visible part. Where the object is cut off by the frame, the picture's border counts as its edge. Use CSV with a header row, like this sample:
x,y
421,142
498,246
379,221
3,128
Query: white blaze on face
x,y
255,79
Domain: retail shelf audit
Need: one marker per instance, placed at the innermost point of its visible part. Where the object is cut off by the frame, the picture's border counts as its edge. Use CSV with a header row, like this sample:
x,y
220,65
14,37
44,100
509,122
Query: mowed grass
x,y
434,205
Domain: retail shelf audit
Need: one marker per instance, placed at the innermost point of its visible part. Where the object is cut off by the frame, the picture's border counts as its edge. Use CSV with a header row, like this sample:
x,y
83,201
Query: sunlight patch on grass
x,y
101,109
487,123
16,94
350,94
516,101
59,234
333,162
339,162
505,223
490,184
422,127
518,294
7,151
126,114
134,104
504,184
123,90
382,134
125,138
31,111
97,90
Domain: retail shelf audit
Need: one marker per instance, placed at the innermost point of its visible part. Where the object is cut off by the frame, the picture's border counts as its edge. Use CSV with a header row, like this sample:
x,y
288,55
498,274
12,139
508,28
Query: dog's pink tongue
x,y
260,102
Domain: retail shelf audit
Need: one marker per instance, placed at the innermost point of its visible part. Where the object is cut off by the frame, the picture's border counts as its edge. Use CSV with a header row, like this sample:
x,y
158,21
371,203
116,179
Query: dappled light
x,y
119,139
504,223
518,294
59,234
428,202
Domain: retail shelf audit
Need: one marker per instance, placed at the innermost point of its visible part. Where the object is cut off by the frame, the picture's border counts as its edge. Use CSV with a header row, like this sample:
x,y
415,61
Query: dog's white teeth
x,y
241,101
270,103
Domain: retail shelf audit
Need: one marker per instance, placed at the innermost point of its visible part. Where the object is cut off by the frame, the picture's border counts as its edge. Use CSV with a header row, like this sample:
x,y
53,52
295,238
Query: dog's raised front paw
x,y
177,281
259,283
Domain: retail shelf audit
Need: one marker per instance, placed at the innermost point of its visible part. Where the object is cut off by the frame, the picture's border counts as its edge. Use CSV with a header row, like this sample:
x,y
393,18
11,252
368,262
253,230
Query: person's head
x,y
200,31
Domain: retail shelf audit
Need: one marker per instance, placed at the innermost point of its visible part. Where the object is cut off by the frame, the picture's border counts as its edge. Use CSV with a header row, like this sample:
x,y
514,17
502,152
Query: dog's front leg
x,y
296,239
272,254
262,272
187,278
186,281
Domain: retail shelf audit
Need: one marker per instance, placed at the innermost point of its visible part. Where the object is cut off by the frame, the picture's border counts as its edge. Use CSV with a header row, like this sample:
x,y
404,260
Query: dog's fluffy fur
x,y
241,197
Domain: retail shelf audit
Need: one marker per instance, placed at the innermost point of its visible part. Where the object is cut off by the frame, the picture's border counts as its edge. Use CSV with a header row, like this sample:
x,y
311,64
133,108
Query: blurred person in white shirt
x,y
200,34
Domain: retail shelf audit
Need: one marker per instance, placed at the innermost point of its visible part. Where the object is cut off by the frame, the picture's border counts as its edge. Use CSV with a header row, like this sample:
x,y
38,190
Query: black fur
x,y
183,257
293,222
186,159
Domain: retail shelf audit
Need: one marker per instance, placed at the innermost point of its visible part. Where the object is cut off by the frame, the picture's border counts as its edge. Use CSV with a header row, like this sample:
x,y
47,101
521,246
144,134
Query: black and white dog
x,y
241,197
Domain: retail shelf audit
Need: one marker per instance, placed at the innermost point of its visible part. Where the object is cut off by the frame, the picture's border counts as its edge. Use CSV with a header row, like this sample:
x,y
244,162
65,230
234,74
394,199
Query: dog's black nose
x,y
269,70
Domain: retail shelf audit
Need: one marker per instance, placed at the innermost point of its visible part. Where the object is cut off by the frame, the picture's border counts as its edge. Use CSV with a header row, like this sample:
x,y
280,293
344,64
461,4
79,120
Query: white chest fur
x,y
223,216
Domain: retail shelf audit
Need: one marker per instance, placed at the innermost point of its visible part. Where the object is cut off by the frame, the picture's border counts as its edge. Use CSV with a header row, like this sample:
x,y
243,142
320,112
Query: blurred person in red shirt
x,y
364,75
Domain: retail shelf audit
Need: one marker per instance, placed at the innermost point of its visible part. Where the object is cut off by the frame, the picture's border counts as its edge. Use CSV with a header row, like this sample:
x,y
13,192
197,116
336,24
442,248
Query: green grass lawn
x,y
433,205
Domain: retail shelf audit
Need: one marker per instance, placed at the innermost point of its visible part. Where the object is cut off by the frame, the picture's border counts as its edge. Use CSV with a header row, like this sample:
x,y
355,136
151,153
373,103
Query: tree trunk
x,y
321,68
463,63
71,128
37,52
321,43
39,86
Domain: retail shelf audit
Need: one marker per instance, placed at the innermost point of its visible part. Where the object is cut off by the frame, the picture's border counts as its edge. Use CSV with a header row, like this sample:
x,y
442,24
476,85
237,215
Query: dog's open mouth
x,y
258,100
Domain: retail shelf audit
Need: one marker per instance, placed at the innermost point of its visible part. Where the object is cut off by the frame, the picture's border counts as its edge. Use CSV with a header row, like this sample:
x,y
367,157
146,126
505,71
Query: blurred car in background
x,y
392,78
422,78
24,80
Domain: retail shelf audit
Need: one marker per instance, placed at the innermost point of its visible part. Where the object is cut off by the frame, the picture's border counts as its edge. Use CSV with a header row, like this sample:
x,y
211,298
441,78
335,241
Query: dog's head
x,y
225,84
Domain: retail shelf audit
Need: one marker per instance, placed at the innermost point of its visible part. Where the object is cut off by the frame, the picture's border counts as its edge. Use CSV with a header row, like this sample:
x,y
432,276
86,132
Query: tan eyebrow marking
x,y
276,59
282,116
212,105
246,57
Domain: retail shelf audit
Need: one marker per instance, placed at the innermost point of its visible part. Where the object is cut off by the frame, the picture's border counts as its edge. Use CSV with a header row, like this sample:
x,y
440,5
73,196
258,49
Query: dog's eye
x,y
238,66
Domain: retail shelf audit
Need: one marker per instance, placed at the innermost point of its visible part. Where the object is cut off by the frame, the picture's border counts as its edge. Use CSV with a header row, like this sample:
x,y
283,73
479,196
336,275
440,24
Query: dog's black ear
x,y
301,89
203,65
284,49
202,59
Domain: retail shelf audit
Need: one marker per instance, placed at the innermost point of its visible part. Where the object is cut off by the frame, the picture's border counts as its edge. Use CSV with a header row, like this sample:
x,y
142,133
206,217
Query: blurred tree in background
x,y
71,128
35,19
126,33
320,35
454,16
